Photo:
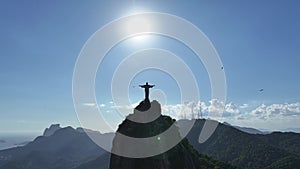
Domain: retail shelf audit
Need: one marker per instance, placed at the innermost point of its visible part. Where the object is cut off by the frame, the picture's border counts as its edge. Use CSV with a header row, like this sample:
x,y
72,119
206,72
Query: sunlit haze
x,y
257,42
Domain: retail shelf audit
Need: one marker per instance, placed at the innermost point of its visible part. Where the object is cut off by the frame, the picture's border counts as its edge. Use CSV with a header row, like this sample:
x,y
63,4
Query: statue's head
x,y
146,83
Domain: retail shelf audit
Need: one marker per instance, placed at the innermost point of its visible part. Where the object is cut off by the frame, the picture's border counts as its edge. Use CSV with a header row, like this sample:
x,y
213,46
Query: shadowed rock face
x,y
144,105
51,130
178,157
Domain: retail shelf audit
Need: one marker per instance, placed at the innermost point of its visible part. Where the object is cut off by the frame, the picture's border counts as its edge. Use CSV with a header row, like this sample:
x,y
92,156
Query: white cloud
x,y
102,105
124,109
89,104
215,107
272,117
93,105
277,110
192,109
264,116
244,106
231,109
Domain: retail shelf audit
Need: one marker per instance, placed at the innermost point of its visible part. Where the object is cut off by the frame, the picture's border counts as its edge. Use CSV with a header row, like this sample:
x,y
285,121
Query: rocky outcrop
x,y
51,130
179,157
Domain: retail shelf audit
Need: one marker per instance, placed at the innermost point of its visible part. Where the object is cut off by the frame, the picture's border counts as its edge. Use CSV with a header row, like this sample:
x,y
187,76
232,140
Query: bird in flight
x,y
261,90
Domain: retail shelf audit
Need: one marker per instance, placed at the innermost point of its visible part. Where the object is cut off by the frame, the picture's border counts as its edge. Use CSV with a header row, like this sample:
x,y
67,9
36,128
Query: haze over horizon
x,y
256,41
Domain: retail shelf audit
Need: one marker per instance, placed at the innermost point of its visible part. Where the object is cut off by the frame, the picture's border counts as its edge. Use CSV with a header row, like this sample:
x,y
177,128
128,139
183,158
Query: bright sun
x,y
144,38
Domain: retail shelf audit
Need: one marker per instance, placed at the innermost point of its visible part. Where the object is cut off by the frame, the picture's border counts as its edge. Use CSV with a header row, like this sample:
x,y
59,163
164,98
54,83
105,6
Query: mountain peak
x,y
182,155
51,130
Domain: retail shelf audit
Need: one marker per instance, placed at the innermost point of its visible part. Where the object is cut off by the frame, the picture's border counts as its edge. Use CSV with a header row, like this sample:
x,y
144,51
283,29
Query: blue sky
x,y
257,41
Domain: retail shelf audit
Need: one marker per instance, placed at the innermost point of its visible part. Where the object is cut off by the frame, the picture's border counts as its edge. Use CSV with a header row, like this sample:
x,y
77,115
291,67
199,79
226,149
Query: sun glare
x,y
138,25
139,39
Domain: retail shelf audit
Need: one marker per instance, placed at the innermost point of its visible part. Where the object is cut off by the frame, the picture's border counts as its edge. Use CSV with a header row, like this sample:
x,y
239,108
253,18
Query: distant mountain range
x,y
248,129
65,148
295,130
69,148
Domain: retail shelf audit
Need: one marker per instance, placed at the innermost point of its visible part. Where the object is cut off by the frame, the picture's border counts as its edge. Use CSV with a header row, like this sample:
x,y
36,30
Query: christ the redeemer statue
x,y
146,87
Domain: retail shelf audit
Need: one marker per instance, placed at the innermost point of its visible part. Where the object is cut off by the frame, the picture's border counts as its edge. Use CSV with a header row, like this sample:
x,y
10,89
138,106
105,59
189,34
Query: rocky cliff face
x,y
179,157
51,130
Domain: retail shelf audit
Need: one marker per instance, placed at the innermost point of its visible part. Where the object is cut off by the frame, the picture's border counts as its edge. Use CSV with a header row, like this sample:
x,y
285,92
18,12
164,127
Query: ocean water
x,y
9,140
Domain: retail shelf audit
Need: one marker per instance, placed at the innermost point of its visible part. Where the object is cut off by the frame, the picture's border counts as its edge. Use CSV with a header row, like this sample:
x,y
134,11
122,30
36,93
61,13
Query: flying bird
x,y
261,90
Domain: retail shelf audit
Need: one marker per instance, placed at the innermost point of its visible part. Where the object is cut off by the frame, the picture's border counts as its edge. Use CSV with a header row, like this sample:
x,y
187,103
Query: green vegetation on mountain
x,y
289,162
183,155
246,150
